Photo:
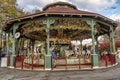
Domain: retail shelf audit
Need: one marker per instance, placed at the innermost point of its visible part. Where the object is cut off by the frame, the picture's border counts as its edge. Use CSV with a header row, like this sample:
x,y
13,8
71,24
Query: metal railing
x,y
37,62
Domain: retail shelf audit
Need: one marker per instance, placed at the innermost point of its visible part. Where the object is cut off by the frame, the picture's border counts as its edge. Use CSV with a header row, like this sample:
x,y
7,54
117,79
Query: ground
x,y
112,73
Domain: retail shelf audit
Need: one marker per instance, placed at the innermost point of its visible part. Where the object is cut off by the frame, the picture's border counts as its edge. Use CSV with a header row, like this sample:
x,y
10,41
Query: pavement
x,y
112,73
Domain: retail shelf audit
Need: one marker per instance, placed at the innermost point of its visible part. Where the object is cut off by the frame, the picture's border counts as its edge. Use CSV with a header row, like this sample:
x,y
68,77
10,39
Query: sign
x,y
4,62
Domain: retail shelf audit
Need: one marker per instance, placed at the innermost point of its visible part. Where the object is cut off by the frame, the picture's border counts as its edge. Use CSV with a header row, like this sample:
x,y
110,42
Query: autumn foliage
x,y
105,46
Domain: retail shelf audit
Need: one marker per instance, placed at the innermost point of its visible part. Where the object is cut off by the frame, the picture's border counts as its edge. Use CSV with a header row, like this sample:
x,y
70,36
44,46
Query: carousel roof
x,y
62,9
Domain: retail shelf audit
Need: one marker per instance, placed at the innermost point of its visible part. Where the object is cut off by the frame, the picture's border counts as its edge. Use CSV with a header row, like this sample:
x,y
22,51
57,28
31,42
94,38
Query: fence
x,y
73,62
37,62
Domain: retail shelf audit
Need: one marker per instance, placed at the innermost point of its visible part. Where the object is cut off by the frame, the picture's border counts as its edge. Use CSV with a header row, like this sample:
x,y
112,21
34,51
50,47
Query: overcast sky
x,y
108,8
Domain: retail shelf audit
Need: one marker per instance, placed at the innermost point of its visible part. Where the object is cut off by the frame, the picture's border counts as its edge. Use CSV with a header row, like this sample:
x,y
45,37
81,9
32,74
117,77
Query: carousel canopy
x,y
70,23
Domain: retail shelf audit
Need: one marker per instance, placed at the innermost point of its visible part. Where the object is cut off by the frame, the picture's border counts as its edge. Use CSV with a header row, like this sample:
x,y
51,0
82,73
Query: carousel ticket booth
x,y
34,37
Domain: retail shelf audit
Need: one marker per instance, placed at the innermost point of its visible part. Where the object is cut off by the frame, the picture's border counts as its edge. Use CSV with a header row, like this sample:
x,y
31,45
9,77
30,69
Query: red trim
x,y
22,62
32,61
52,63
15,60
66,62
8,61
106,60
79,61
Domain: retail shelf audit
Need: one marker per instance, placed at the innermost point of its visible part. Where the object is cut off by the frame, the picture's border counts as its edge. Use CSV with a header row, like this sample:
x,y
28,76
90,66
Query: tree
x,y
8,10
117,31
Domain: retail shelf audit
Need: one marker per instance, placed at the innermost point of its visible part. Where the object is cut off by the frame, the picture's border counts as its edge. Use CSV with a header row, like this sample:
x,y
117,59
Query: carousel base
x,y
50,69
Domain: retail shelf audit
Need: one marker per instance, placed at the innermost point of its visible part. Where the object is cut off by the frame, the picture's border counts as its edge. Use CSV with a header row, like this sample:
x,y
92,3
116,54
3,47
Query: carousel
x,y
43,41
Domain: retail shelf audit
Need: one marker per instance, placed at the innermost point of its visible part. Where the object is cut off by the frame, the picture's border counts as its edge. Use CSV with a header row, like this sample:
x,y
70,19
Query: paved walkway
x,y
101,74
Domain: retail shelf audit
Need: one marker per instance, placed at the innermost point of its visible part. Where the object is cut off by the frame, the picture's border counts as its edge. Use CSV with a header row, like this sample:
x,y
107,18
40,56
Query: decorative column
x,y
15,26
92,23
113,39
113,43
7,48
48,22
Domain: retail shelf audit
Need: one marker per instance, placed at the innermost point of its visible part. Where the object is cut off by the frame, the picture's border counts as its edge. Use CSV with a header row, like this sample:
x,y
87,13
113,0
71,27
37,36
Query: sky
x,y
108,8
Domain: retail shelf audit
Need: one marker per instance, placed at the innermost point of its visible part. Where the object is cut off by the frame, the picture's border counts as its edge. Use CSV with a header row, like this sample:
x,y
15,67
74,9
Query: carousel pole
x,y
92,23
48,62
96,46
7,45
110,42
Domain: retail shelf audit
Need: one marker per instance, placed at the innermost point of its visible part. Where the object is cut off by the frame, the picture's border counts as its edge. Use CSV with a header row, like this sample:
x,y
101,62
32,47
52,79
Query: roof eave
x,y
94,15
